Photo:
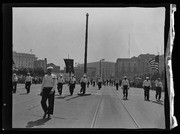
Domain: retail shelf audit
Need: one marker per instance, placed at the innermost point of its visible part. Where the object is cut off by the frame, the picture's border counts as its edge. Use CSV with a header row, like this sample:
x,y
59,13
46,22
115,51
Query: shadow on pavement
x,y
37,122
79,95
158,102
23,94
62,97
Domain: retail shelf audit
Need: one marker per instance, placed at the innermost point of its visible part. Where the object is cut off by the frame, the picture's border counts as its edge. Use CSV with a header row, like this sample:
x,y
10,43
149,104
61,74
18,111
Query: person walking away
x,y
125,87
146,86
117,84
28,82
14,83
60,84
88,82
99,83
159,88
48,91
83,84
72,83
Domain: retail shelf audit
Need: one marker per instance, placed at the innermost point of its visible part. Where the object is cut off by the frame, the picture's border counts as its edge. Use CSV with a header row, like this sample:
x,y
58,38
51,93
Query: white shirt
x,y
100,80
85,80
28,79
72,80
125,83
49,81
15,78
147,83
60,80
158,84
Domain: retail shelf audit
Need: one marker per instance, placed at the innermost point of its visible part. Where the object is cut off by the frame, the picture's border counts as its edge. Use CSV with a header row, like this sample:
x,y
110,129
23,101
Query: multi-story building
x,y
136,66
105,69
41,64
56,69
24,60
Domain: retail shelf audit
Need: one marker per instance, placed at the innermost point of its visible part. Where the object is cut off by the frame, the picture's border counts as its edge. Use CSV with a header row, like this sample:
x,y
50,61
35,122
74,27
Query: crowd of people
x,y
50,82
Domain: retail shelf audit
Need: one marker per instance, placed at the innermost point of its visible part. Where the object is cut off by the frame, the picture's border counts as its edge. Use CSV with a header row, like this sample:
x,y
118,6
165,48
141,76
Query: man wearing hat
x,y
72,83
60,84
28,82
125,87
14,82
99,82
146,86
83,82
47,92
159,87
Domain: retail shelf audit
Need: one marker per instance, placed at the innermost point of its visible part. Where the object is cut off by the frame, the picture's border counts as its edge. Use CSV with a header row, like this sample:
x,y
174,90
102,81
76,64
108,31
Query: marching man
x,y
72,84
99,82
60,84
14,82
125,87
47,92
83,82
159,88
146,86
28,82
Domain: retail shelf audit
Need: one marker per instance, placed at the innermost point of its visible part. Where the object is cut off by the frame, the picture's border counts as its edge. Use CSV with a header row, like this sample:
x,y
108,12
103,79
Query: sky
x,y
55,33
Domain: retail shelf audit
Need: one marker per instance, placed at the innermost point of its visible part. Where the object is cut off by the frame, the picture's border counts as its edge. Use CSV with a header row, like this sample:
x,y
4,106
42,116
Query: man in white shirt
x,y
125,87
14,82
146,86
83,82
28,82
99,82
60,84
159,87
72,83
47,92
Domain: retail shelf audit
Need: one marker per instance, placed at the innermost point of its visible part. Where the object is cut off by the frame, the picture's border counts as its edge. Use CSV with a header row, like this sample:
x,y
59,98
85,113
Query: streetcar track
x,y
135,122
97,111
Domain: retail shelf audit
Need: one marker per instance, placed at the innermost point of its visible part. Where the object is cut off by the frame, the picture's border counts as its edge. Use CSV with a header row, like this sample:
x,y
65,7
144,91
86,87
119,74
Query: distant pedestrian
x,y
94,82
125,87
146,86
99,82
47,92
14,83
83,82
117,83
72,83
159,88
28,82
88,82
60,83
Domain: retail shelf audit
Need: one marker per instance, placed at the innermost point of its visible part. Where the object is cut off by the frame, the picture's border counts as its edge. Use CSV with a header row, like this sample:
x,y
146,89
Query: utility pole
x,y
86,41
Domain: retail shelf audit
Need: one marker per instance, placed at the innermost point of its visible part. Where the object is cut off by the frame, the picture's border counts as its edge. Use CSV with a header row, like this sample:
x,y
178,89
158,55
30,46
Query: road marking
x,y
135,122
97,111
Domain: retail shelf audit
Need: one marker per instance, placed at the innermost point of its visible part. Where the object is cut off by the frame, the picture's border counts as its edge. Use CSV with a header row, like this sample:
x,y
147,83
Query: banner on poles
x,y
69,65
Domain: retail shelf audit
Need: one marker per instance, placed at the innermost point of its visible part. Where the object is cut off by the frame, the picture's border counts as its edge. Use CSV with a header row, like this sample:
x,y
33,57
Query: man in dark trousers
x,y
28,82
60,84
72,83
117,83
159,88
146,86
14,82
125,87
47,92
83,84
99,82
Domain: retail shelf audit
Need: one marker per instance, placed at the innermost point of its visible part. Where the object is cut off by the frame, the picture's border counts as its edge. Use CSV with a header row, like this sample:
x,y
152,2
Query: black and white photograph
x,y
88,67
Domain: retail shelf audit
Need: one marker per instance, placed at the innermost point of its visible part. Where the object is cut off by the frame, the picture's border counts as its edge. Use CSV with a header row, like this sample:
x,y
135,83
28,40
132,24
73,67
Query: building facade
x,y
41,64
24,60
56,69
103,68
136,66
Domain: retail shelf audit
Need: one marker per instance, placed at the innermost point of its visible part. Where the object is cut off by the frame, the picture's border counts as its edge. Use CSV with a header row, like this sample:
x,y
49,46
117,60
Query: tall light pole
x,y
86,41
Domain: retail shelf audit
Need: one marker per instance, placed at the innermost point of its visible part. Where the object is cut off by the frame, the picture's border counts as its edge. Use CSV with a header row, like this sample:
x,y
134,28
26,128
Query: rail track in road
x,y
95,118
135,122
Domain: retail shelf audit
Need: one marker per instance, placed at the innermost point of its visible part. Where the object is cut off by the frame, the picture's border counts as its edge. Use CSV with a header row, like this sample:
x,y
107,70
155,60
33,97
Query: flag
x,y
154,63
69,65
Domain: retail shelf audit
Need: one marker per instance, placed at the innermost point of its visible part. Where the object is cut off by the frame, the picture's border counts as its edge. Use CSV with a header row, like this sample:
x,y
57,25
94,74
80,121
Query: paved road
x,y
97,109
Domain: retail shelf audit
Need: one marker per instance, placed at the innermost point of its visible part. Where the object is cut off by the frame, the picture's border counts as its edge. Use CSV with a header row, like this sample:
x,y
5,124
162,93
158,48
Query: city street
x,y
103,108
